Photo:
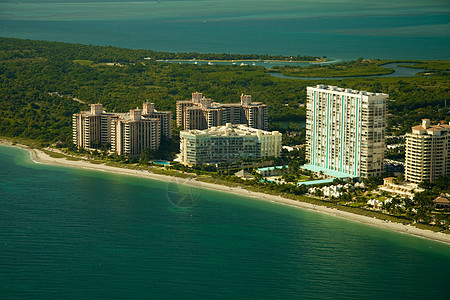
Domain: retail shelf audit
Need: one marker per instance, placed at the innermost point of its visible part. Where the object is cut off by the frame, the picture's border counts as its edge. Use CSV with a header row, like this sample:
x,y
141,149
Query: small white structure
x,y
375,203
360,185
243,174
328,191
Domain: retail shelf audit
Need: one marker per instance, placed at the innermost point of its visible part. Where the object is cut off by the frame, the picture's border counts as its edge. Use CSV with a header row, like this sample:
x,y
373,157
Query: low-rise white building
x,y
227,143
404,189
375,203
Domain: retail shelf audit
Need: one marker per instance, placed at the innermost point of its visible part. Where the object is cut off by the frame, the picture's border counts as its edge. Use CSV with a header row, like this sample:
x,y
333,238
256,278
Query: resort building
x,y
229,143
427,152
92,128
441,202
203,113
403,189
345,131
132,133
164,117
127,133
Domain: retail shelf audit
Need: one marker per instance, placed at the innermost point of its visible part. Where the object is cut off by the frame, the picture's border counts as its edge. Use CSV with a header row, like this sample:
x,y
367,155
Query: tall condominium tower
x,y
427,152
127,133
203,113
345,130
132,133
165,119
92,128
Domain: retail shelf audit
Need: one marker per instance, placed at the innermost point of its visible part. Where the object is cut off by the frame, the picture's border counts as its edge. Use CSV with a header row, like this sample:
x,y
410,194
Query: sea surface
x,y
77,234
341,29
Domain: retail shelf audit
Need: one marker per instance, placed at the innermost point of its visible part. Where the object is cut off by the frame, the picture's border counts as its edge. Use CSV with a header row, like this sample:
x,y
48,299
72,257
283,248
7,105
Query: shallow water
x,y
69,233
399,71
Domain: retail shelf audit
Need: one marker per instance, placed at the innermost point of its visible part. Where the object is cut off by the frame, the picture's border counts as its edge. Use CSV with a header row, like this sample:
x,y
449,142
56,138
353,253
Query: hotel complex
x,y
227,143
127,133
203,113
345,131
427,152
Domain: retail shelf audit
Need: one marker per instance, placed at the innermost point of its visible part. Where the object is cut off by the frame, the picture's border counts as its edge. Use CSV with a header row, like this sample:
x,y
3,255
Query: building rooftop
x,y
90,113
328,172
231,130
438,127
244,174
426,128
349,91
441,200
389,179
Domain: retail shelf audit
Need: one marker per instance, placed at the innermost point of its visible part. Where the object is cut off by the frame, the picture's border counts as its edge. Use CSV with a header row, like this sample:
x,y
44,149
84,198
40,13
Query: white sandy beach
x,y
40,157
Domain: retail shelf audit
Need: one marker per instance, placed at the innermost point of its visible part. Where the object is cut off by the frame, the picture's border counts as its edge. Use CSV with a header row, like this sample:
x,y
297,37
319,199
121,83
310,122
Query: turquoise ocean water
x,y
76,234
342,29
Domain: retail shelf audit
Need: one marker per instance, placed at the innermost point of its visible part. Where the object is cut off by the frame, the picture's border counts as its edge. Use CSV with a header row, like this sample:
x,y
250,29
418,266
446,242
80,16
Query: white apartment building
x,y
345,130
427,152
227,143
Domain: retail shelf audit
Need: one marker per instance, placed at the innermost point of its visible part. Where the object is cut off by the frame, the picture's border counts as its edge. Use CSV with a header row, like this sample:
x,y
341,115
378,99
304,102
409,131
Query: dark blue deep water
x,y
341,29
75,234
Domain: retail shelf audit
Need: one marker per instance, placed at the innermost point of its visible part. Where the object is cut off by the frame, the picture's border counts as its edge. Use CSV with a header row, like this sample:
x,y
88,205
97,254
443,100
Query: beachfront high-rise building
x,y
132,133
165,119
345,130
203,113
182,106
227,143
427,152
127,133
92,128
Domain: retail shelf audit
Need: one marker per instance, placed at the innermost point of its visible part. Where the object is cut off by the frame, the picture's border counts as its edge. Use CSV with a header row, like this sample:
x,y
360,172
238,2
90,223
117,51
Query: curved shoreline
x,y
242,60
40,157
395,66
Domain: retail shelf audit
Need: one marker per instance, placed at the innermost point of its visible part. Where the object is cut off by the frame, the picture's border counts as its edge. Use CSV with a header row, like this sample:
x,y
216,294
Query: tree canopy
x,y
39,81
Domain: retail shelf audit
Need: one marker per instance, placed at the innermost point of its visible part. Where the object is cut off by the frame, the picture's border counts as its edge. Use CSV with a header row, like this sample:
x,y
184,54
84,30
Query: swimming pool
x,y
162,162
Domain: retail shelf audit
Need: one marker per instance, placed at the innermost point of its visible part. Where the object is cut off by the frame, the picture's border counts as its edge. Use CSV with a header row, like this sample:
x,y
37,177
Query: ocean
x,y
340,29
75,234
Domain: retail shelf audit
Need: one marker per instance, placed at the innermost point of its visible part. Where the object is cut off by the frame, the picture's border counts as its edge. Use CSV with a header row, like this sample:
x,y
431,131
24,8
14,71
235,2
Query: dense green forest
x,y
109,53
32,71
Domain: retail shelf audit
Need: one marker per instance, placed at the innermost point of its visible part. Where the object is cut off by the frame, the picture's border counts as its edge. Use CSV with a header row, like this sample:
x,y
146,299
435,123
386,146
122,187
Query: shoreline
x,y
39,157
242,60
